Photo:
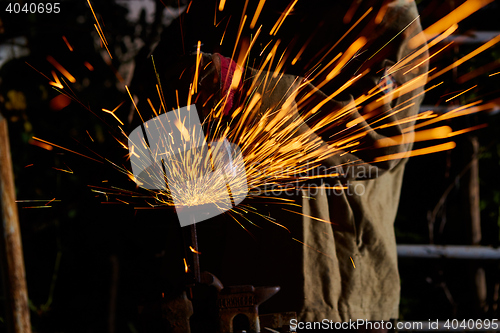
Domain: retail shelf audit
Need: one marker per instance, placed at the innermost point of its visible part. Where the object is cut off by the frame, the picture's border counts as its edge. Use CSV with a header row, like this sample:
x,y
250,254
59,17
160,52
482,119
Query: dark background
x,y
84,247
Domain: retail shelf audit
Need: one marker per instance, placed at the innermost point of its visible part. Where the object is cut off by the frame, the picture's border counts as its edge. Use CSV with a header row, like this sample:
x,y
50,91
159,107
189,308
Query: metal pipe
x,y
448,252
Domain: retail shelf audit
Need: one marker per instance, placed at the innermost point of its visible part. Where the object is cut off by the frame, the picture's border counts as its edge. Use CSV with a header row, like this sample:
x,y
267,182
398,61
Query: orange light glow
x,y
59,102
61,69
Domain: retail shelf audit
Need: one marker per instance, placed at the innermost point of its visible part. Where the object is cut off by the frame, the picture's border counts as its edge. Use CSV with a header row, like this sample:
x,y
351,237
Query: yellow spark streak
x,y
282,18
352,262
127,203
312,248
37,207
89,135
103,40
457,15
460,111
134,103
193,250
345,86
494,74
430,134
72,151
416,18
57,83
67,43
463,92
196,73
61,69
221,5
186,269
257,13
227,24
344,35
467,130
417,152
113,113
241,225
427,59
351,51
381,13
53,200
70,171
312,217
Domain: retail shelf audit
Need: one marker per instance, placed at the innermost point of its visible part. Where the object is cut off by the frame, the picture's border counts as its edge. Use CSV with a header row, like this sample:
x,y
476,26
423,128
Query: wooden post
x,y
11,251
479,274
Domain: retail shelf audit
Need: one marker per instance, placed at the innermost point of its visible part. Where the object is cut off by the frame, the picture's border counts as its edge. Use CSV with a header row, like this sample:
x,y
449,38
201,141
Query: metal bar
x,y
16,295
448,252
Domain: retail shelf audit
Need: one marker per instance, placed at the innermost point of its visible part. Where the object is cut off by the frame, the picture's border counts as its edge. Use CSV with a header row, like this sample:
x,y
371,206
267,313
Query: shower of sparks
x,y
274,151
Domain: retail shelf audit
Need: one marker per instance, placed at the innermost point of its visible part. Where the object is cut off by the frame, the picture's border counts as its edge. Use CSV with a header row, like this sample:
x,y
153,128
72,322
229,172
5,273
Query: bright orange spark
x,y
89,66
50,201
67,43
56,82
463,92
221,5
40,144
38,141
351,51
352,262
312,248
257,13
89,135
98,25
312,217
68,171
467,130
103,40
282,18
133,101
430,134
61,69
417,152
193,250
113,113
